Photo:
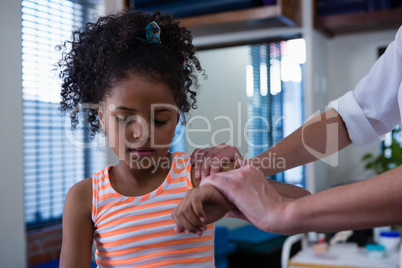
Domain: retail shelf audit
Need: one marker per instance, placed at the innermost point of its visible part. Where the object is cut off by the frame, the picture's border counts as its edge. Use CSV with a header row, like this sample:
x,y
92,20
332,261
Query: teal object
x,y
250,238
375,250
374,247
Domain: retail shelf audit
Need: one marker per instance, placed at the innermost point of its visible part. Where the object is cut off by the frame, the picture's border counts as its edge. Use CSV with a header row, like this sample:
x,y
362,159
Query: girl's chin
x,y
152,162
139,166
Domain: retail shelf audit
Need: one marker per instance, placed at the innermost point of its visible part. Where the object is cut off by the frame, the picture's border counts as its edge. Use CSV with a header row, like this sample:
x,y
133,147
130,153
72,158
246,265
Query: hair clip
x,y
153,32
183,65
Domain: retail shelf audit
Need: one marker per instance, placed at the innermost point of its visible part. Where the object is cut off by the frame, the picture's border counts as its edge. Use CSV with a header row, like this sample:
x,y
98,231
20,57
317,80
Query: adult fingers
x,y
234,182
211,161
215,158
240,162
248,189
223,182
227,154
196,162
201,160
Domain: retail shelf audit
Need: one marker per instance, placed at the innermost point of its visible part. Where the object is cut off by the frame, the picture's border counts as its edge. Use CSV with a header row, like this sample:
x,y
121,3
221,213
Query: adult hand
x,y
254,197
210,160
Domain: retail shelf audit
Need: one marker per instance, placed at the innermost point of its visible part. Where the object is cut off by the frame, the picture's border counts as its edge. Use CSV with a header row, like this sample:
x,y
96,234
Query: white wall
x,y
12,224
221,100
350,58
112,6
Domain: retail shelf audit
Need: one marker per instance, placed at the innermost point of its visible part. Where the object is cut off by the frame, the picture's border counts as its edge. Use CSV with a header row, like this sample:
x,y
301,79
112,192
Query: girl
x,y
137,69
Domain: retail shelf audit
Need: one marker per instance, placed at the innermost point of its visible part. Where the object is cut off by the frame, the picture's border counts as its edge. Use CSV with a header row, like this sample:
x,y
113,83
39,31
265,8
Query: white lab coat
x,y
374,107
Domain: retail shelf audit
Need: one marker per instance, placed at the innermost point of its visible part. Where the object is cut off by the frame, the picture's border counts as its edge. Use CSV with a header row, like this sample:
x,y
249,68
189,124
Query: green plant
x,y
390,156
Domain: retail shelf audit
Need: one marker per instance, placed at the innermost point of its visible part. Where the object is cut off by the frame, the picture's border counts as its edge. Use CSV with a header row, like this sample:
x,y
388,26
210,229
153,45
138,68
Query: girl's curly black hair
x,y
109,50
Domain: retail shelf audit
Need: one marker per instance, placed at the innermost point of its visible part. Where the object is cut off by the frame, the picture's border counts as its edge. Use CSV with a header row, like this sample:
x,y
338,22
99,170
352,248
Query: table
x,y
342,256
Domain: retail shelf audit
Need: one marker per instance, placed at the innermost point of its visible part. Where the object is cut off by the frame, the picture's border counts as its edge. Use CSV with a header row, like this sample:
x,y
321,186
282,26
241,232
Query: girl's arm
x,y
200,206
77,227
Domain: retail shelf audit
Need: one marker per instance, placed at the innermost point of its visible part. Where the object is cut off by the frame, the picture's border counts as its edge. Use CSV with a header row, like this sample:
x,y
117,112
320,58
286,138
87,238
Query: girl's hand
x,y
211,160
200,206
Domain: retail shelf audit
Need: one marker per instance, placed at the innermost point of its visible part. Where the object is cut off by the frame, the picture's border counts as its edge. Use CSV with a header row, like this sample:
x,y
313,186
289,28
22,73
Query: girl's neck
x,y
137,182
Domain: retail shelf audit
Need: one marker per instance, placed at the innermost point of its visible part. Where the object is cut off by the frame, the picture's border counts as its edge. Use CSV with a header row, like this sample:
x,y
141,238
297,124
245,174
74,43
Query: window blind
x,y
275,91
52,164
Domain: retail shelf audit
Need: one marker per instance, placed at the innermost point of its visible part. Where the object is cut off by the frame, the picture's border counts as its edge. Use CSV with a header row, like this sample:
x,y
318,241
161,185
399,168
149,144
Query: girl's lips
x,y
142,152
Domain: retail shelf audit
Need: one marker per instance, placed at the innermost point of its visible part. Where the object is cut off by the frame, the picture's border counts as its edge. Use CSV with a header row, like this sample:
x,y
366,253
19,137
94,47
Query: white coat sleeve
x,y
372,109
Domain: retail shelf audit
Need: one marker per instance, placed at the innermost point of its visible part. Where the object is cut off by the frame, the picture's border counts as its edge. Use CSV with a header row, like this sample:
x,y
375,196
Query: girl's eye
x,y
123,119
160,122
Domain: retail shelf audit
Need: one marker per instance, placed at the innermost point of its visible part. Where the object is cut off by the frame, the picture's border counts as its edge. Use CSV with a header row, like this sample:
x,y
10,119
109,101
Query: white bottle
x,y
377,231
390,240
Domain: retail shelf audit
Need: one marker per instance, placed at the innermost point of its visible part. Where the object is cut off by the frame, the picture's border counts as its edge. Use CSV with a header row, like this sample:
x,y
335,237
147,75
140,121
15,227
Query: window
x,y
54,159
275,91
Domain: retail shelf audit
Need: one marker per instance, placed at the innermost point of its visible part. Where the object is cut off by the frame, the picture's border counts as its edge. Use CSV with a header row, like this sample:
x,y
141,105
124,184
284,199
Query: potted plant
x,y
389,157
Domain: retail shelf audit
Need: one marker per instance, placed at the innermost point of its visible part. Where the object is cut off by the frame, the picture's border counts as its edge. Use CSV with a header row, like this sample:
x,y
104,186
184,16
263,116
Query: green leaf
x,y
367,156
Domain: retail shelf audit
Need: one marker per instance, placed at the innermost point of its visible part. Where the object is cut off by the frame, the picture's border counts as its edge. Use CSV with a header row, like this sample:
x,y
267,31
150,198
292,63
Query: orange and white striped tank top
x,y
138,231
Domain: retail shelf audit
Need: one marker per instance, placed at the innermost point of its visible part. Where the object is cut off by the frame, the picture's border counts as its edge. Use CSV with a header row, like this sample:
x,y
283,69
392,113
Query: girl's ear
x,y
178,119
100,110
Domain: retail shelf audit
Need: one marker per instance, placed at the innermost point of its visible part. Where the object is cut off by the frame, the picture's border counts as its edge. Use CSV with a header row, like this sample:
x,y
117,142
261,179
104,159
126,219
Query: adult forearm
x,y
319,137
366,204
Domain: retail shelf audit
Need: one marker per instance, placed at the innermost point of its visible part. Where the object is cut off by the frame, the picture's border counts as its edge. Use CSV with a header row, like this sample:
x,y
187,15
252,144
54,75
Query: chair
x,y
287,246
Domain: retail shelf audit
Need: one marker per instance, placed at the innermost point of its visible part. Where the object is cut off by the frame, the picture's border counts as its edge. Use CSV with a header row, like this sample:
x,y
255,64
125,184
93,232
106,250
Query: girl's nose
x,y
140,130
137,132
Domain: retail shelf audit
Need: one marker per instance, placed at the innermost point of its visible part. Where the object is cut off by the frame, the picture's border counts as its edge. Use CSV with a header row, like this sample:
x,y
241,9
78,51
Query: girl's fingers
x,y
177,217
198,212
185,217
177,229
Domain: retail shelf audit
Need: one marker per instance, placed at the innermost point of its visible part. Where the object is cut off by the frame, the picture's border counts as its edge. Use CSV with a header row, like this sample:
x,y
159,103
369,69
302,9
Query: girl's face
x,y
140,117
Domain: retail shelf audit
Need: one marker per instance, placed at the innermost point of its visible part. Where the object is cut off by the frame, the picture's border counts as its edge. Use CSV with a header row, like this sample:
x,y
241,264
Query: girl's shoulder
x,y
78,203
81,191
181,157
101,178
183,162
